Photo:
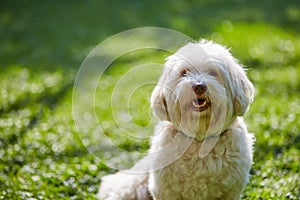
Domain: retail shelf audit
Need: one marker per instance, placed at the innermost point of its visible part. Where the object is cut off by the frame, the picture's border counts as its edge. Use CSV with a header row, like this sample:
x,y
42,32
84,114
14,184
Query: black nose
x,y
199,88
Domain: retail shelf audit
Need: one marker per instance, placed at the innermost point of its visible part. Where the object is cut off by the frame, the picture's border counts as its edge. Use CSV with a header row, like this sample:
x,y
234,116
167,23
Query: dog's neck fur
x,y
205,138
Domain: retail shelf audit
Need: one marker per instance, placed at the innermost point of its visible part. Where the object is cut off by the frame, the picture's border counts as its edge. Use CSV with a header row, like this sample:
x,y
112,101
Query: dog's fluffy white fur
x,y
200,100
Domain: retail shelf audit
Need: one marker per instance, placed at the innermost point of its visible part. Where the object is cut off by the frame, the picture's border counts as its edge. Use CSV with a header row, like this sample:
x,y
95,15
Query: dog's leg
x,y
123,186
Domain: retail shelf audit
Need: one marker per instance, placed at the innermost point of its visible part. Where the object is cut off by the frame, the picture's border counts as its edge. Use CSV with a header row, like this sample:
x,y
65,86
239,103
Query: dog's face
x,y
202,90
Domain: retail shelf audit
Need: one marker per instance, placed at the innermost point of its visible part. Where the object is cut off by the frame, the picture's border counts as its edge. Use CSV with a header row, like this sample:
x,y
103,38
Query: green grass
x,y
42,155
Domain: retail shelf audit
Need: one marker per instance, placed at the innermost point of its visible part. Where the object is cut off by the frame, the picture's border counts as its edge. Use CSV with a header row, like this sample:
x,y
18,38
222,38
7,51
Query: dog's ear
x,y
243,92
158,99
158,103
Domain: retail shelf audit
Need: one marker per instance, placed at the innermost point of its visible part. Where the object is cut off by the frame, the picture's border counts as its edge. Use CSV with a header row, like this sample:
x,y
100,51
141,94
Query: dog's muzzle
x,y
202,103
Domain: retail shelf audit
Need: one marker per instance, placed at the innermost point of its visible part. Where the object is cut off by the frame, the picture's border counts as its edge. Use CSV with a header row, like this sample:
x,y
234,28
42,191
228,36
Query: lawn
x,y
43,154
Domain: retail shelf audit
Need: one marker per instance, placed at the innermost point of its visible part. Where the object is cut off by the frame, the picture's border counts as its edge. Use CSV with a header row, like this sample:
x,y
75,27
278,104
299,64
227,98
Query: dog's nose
x,y
199,88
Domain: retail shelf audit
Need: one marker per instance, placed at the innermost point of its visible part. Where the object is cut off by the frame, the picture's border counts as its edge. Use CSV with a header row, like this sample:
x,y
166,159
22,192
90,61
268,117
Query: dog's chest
x,y
190,175
223,172
191,168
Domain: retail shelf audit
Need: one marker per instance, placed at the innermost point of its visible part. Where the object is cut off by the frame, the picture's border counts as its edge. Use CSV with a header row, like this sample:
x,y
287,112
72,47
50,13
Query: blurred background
x,y
42,45
61,33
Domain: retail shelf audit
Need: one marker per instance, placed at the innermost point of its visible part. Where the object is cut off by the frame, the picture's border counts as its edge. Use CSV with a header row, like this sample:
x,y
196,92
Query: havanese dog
x,y
201,148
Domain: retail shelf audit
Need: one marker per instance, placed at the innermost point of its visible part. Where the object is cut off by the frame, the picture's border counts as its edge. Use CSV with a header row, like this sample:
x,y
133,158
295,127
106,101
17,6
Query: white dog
x,y
201,148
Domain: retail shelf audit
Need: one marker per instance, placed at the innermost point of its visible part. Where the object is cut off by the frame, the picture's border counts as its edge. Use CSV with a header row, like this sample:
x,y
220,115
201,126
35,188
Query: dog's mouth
x,y
200,104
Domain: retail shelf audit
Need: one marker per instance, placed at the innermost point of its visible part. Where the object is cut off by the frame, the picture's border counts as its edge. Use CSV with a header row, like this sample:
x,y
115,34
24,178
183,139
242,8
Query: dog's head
x,y
202,90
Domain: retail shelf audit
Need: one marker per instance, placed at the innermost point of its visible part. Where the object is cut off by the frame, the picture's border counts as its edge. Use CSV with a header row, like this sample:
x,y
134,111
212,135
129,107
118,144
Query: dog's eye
x,y
213,74
183,73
